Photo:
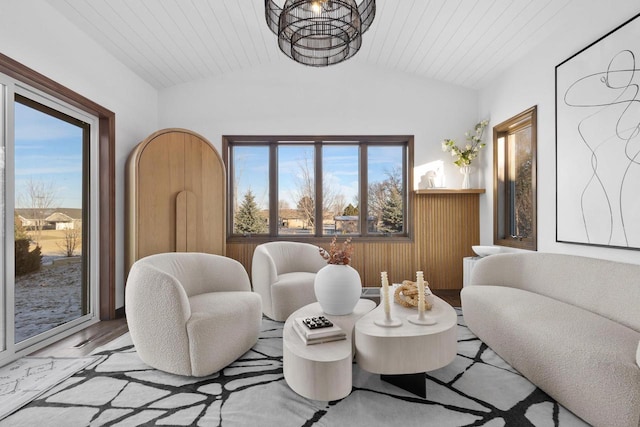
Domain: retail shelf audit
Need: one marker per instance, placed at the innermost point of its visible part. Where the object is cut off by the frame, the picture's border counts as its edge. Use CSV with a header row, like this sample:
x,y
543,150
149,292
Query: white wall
x,y
532,82
281,98
36,35
287,98
291,99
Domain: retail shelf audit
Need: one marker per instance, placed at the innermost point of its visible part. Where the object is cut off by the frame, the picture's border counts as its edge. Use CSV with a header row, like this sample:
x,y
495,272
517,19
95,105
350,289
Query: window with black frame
x,y
299,187
514,149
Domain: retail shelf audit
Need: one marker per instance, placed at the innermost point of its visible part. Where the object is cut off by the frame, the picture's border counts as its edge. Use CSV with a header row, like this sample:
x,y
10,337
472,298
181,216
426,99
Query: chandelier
x,y
320,32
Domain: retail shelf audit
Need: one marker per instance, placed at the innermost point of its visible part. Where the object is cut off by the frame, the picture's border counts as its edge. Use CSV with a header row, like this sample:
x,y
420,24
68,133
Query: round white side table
x,y
321,371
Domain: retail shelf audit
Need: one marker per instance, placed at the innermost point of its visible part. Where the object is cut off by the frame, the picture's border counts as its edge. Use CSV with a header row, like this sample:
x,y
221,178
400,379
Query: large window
x,y
515,181
316,187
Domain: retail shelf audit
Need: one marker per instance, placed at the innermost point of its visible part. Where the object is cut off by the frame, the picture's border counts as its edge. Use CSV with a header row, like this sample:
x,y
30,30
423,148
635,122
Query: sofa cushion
x,y
608,288
584,361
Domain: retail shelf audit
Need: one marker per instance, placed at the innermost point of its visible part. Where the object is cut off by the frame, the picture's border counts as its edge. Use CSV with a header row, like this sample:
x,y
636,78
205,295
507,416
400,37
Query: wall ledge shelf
x,y
451,191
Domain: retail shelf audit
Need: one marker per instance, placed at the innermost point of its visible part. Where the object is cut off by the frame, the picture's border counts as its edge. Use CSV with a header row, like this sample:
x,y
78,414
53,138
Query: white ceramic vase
x,y
466,171
338,289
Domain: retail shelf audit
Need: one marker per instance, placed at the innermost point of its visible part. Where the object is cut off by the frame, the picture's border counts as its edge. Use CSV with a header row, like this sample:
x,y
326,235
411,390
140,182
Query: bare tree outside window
x,y
340,182
304,191
339,204
72,239
39,197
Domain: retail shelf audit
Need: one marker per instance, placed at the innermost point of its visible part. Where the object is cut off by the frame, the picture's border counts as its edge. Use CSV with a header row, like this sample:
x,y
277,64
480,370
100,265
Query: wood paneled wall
x,y
445,226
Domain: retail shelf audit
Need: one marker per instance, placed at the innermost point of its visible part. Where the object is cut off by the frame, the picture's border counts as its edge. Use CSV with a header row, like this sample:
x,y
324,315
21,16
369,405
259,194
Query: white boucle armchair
x,y
191,313
283,274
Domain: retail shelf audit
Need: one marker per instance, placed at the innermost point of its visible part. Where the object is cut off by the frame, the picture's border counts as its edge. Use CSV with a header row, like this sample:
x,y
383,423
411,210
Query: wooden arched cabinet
x,y
175,196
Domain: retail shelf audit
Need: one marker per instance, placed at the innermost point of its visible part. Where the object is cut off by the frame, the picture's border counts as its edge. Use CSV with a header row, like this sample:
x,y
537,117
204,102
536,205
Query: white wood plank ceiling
x,y
464,42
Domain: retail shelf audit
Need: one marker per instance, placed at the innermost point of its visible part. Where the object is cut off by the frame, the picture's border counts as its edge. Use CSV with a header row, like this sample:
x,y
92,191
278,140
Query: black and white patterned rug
x,y
477,389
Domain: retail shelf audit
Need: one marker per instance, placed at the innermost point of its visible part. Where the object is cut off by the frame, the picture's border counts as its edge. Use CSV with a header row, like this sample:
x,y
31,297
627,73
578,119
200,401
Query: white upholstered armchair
x,y
283,274
191,313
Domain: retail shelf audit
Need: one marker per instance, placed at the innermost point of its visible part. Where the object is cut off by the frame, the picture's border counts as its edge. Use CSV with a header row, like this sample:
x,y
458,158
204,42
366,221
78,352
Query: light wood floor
x,y
85,341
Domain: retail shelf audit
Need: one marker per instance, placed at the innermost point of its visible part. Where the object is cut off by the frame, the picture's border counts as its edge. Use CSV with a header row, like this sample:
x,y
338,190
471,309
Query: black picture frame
x,y
598,141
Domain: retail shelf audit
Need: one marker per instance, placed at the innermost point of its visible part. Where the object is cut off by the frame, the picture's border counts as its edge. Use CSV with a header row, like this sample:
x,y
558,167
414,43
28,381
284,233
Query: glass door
x,y
48,208
4,289
49,199
50,182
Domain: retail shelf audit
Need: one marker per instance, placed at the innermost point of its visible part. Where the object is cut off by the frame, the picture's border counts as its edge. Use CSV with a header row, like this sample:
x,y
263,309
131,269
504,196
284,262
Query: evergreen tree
x,y
379,192
524,198
19,232
25,261
248,219
391,221
350,210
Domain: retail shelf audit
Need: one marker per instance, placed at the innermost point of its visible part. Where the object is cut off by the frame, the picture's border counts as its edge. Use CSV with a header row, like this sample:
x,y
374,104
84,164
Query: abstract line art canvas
x,y
598,142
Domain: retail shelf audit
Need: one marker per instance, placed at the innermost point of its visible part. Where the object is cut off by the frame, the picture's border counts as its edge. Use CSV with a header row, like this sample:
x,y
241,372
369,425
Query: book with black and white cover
x,y
331,331
320,340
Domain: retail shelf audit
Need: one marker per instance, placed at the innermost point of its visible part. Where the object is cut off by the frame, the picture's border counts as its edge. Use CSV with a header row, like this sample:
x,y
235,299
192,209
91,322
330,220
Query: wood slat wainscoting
x,y
445,226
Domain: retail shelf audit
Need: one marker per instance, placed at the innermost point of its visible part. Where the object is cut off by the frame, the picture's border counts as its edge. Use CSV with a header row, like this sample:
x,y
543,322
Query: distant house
x,y
346,223
50,219
27,218
350,223
291,218
62,221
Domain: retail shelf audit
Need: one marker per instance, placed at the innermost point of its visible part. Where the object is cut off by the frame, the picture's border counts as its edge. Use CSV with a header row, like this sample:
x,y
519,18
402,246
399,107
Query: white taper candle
x,y
420,279
385,292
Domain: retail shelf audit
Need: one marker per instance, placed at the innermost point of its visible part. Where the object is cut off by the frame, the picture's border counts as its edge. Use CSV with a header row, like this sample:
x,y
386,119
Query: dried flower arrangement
x,y
338,254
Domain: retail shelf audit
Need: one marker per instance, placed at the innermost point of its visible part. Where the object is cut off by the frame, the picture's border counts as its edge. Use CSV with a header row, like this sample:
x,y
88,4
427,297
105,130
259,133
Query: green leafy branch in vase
x,y
471,149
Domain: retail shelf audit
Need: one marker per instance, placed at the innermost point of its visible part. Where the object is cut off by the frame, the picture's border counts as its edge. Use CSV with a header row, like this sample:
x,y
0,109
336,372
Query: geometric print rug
x,y
477,389
28,377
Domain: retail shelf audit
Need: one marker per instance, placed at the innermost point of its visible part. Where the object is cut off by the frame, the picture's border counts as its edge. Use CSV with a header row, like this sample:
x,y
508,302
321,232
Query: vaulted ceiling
x,y
464,42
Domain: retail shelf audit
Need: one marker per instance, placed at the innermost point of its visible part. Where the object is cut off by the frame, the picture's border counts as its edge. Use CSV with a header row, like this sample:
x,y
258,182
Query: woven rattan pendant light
x,y
320,32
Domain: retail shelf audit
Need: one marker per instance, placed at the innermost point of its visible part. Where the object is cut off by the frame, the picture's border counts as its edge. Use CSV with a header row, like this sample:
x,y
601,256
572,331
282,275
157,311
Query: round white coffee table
x,y
321,371
410,348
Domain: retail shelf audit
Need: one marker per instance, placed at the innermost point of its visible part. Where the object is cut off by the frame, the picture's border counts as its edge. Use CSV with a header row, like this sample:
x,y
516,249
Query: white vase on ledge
x,y
466,172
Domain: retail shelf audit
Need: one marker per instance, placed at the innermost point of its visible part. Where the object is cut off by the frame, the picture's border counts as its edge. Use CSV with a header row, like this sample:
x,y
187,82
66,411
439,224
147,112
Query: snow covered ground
x,y
47,298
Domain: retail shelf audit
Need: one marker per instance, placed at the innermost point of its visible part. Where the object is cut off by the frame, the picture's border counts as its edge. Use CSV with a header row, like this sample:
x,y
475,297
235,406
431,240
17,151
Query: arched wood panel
x,y
176,196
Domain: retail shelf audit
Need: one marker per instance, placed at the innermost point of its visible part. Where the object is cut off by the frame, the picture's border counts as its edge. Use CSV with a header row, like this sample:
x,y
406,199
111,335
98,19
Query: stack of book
x,y
316,336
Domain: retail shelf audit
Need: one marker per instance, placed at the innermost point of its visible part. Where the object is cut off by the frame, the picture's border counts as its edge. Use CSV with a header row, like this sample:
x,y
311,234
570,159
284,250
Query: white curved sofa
x,y
283,274
570,324
191,313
